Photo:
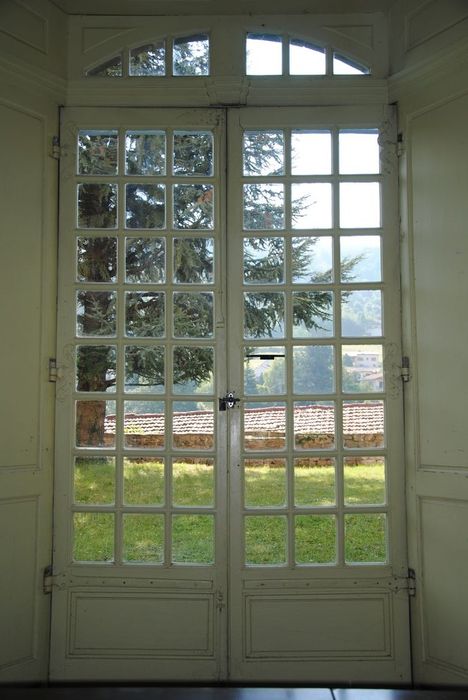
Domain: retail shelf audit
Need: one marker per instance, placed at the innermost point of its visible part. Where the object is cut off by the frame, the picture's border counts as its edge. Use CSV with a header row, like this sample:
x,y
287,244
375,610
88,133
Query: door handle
x,y
228,401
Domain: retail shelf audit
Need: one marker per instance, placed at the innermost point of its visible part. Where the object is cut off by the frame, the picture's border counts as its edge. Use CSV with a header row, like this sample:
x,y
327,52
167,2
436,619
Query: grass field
x,y
265,535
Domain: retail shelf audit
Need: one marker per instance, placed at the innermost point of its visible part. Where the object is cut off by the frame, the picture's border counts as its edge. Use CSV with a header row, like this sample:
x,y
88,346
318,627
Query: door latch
x,y
228,401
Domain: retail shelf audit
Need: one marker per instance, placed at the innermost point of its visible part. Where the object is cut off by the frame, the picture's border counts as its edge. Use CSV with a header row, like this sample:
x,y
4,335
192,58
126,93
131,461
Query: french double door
x,y
229,474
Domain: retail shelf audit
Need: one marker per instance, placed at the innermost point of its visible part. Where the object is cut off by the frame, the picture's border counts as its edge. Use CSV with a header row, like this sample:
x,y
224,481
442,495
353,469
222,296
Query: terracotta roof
x,y
358,418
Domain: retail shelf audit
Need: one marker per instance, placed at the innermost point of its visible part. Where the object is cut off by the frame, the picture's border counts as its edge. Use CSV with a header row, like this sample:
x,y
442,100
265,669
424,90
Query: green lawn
x,y
192,534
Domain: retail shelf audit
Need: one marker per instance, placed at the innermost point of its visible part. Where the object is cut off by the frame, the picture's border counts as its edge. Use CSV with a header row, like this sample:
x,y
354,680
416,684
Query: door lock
x,y
228,401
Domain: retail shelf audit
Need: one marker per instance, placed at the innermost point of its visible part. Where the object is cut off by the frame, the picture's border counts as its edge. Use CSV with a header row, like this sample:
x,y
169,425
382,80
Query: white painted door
x,y
201,534
318,565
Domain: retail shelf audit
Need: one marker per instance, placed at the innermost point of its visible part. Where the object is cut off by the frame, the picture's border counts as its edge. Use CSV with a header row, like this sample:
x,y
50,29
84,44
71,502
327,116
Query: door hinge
x,y
55,151
220,604
47,580
53,372
400,145
411,583
404,583
405,368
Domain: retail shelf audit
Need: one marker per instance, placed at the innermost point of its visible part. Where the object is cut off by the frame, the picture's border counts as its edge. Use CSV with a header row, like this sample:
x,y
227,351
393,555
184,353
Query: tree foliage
x,y
191,313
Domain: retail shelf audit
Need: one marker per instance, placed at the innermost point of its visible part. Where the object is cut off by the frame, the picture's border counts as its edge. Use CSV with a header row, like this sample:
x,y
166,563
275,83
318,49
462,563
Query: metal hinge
x,y
405,368
400,145
53,372
411,583
47,580
220,604
55,150
404,583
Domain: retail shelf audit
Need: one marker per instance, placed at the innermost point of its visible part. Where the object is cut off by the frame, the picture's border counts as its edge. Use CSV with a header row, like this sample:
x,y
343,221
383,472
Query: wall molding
x,y
33,79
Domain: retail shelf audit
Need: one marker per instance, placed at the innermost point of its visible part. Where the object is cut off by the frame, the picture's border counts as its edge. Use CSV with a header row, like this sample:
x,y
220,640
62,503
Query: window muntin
x,y
313,333
187,55
265,52
146,251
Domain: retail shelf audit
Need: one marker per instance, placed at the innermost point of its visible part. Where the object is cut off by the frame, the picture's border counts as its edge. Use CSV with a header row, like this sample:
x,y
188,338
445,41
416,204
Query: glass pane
x,y
312,260
362,368
96,259
263,315
193,425
193,260
97,152
193,153
359,205
361,313
193,315
143,538
265,539
311,153
363,424
264,54
359,152
149,59
314,481
145,206
143,481
95,423
366,538
144,424
315,539
144,369
193,539
265,426
306,59
193,370
145,260
264,483
191,55
264,260
193,482
145,153
263,206
314,425
347,66
313,369
193,206
364,480
263,152
94,480
313,314
144,314
264,370
95,313
311,205
109,69
95,367
97,205
93,537
360,259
